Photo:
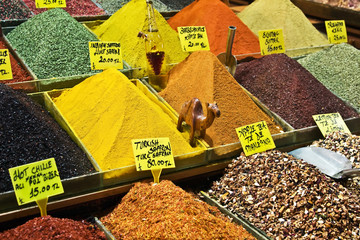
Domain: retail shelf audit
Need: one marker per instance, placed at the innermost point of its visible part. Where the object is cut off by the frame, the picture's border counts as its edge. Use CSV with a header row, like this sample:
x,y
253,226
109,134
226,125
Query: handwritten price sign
x,y
104,55
50,3
152,153
271,41
35,181
255,138
329,123
193,38
336,31
5,65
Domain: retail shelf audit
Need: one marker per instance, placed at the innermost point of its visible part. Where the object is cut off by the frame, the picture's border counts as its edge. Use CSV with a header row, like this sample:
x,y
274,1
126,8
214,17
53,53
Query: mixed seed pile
x,y
349,146
288,198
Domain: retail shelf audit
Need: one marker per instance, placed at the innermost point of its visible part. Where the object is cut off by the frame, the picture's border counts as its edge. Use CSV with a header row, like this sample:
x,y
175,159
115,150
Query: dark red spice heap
x,y
165,211
28,134
18,72
45,228
13,9
73,7
289,90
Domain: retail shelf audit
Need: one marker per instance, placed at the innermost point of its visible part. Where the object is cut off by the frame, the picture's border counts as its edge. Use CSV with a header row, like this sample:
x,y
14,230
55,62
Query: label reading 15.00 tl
x,y
152,153
104,55
35,181
193,38
50,3
255,138
336,31
5,65
329,123
271,41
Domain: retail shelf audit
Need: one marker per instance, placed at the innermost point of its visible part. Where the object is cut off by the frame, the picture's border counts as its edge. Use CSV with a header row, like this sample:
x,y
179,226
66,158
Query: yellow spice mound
x,y
107,111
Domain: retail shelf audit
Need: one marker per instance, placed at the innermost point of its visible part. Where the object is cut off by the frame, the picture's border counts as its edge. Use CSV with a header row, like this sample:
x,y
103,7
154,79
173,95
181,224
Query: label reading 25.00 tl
x,y
50,3
35,181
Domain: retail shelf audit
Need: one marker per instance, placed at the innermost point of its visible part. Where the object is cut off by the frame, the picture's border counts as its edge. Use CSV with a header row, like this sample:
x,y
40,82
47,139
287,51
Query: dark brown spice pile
x,y
165,211
28,134
289,90
47,228
288,198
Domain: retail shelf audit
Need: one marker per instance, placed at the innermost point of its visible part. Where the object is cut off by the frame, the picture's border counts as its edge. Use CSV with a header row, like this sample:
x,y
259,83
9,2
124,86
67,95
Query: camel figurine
x,y
192,113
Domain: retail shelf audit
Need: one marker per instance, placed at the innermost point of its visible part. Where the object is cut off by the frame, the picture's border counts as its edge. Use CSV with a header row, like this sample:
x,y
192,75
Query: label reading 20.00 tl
x,y
152,153
193,38
271,41
35,181
5,65
50,3
104,55
255,138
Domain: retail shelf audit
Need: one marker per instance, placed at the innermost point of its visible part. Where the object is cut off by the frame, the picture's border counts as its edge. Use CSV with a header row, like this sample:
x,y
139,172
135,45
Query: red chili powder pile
x,y
202,75
165,211
217,17
44,228
19,73
73,7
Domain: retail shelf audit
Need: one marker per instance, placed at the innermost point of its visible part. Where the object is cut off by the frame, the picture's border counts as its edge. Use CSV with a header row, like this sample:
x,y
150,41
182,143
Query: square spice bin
x,y
232,149
127,174
72,186
256,232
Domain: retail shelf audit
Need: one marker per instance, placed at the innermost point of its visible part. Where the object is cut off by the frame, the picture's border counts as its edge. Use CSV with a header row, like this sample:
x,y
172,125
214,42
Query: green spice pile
x,y
111,6
165,211
45,228
288,198
338,68
349,146
53,44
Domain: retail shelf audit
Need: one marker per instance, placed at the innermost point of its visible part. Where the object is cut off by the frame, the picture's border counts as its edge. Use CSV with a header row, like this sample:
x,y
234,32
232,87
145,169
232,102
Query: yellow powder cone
x,y
107,111
124,26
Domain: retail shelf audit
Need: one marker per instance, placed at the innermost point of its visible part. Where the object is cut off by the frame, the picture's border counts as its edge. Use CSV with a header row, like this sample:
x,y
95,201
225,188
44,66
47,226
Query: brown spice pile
x,y
165,211
349,146
202,75
288,198
45,228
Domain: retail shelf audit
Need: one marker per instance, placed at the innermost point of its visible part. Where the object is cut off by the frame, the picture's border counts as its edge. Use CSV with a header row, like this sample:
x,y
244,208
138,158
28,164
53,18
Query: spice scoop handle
x,y
229,44
348,173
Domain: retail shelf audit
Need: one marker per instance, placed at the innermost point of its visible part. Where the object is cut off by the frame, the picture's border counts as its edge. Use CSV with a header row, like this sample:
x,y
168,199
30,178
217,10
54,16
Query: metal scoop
x,y
226,58
331,163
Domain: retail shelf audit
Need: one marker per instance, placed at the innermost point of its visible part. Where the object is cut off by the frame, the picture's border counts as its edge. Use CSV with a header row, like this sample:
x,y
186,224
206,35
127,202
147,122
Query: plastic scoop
x,y
331,163
226,58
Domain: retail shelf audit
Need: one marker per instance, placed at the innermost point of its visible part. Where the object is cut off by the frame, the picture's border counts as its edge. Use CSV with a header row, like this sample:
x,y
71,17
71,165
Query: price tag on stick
x,y
36,182
104,55
271,41
153,154
255,138
50,3
329,123
336,31
193,38
5,65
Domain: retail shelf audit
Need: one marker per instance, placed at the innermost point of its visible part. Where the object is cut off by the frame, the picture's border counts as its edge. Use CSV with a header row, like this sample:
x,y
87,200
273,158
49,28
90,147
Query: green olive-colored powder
x,y
53,44
338,68
274,14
